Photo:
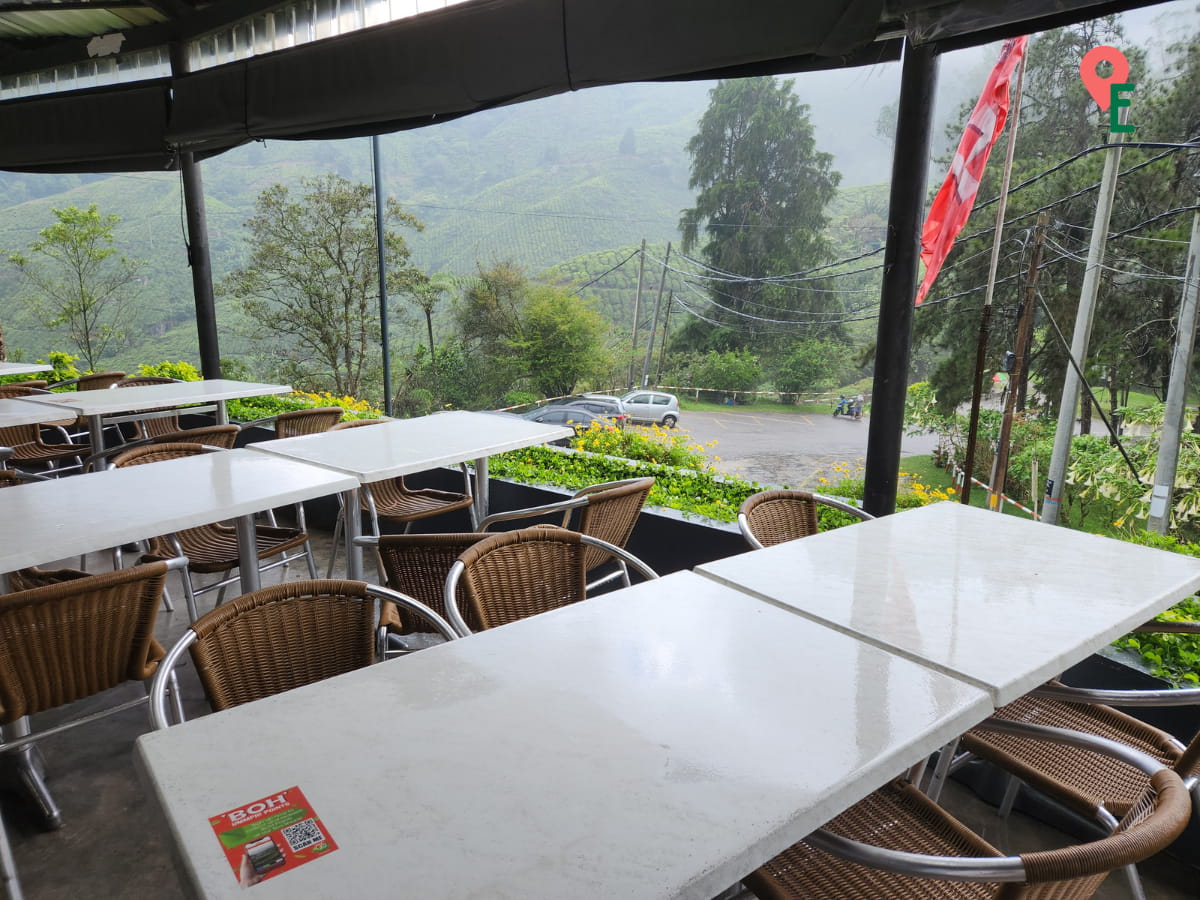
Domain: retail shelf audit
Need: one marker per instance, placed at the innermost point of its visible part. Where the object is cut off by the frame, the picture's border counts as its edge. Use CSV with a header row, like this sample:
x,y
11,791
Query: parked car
x,y
602,405
578,418
652,407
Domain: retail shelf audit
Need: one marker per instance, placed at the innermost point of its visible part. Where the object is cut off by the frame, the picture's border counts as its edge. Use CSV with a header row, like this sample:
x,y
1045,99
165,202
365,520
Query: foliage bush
x,y
184,371
252,408
670,447
733,370
63,370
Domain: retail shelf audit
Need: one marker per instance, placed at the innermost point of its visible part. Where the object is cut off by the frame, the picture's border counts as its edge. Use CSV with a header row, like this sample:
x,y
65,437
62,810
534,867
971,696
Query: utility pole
x,y
662,282
1052,501
637,311
986,320
1181,366
662,347
1024,333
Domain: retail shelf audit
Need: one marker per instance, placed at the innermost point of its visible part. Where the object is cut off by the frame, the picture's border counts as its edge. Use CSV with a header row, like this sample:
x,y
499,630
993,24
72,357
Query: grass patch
x,y
759,404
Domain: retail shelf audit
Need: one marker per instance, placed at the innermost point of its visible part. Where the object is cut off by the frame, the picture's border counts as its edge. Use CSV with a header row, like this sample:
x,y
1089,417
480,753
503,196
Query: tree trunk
x,y
1085,413
437,390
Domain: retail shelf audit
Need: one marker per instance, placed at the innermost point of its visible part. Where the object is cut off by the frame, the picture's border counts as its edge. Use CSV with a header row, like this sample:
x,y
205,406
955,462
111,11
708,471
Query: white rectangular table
x,y
48,520
405,446
17,411
660,741
1001,602
96,405
16,368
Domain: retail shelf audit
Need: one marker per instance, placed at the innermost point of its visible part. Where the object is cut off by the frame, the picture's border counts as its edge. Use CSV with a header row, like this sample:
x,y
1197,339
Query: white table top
x,y
153,396
49,520
16,411
404,446
1002,602
655,742
16,368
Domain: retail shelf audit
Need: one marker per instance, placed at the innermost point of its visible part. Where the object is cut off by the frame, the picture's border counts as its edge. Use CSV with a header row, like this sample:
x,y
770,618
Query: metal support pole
x,y
662,347
985,323
197,247
637,311
906,212
380,213
1181,366
662,283
1052,501
1024,331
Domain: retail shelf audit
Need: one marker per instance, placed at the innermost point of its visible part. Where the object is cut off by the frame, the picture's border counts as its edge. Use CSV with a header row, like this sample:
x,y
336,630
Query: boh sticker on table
x,y
271,835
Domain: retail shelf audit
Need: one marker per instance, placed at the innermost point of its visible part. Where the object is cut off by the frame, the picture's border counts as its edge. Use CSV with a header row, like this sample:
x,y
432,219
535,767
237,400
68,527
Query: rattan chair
x,y
28,446
606,511
93,381
1100,788
214,548
418,565
284,637
392,500
897,844
165,419
516,574
301,421
772,517
67,641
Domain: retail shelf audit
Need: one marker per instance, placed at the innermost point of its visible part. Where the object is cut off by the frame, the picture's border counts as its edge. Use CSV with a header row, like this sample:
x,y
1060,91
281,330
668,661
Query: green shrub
x,y
184,371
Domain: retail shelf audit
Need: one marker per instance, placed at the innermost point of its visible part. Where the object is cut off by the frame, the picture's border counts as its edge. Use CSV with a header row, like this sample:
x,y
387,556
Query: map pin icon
x,y
1098,86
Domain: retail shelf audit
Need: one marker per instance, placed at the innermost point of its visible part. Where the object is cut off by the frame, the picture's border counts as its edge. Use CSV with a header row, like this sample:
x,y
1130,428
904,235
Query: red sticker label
x,y
271,835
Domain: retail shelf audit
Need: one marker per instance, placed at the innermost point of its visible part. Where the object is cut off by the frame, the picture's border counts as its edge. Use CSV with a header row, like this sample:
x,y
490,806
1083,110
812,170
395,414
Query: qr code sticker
x,y
303,835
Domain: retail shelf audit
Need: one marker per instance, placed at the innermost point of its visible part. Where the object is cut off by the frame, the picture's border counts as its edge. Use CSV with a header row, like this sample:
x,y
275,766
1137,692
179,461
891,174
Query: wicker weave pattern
x,y
223,436
307,421
70,640
98,381
26,440
611,514
1079,778
778,516
522,573
896,817
283,637
158,426
417,565
899,817
209,548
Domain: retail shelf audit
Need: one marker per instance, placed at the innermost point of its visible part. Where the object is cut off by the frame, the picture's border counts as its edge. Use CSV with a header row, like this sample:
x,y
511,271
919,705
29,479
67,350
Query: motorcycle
x,y
847,407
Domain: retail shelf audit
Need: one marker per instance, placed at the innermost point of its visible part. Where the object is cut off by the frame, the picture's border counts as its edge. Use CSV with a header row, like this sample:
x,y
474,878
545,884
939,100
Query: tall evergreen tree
x,y
762,188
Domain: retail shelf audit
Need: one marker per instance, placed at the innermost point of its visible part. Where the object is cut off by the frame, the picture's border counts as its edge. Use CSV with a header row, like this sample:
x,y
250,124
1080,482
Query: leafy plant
x,y
184,371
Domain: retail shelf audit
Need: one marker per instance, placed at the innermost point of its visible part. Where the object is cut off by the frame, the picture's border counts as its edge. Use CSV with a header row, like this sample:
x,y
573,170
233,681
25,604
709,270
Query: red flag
x,y
952,205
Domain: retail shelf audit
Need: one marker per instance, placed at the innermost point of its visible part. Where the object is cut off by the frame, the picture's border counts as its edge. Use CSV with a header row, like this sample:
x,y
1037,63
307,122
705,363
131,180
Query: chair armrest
x,y
1013,868
1162,697
256,422
530,512
1156,627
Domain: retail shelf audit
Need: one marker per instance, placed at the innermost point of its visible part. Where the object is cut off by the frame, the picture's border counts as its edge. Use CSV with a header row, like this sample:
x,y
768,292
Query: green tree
x,y
524,333
426,293
310,291
733,370
561,341
76,279
762,188
811,365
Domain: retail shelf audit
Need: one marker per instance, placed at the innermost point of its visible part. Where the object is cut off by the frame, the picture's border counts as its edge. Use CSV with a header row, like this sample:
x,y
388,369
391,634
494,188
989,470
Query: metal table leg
x,y
479,509
353,528
248,554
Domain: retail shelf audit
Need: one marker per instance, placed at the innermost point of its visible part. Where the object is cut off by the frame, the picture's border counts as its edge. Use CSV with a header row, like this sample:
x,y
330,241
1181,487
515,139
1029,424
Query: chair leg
x,y
11,887
1136,891
189,595
337,540
176,699
30,772
221,593
167,604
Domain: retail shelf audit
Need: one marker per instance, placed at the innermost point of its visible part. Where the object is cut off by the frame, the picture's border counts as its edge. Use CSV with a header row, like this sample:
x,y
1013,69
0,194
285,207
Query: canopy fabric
x,y
469,57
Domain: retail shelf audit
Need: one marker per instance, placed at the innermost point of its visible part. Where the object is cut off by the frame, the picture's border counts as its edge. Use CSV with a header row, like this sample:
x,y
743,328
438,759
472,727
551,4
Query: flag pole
x,y
986,319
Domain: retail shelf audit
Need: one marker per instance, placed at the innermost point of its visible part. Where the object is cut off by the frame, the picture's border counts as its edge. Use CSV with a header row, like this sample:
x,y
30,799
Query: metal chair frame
x,y
1085,860
160,684
19,739
449,593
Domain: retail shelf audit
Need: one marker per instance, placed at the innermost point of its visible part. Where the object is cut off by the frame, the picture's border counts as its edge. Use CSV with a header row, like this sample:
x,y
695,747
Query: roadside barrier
x,y
959,475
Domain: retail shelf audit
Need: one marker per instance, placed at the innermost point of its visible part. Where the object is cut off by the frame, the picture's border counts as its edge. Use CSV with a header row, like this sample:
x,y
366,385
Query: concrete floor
x,y
113,844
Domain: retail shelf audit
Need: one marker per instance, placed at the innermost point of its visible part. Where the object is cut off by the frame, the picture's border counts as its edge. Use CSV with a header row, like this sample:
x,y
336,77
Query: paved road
x,y
778,449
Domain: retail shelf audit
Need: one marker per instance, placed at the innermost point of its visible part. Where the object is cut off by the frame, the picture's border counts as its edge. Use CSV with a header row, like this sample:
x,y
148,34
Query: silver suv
x,y
654,407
